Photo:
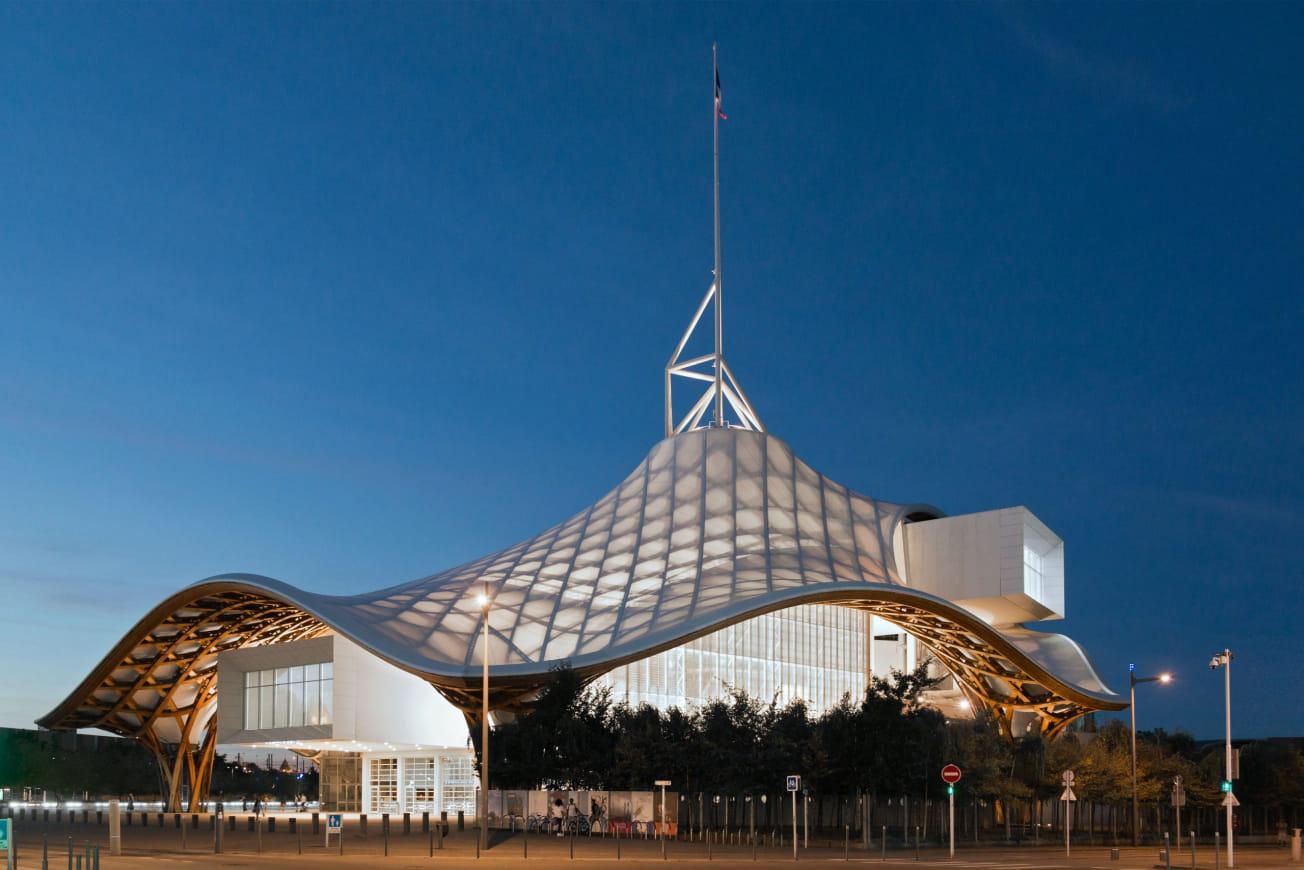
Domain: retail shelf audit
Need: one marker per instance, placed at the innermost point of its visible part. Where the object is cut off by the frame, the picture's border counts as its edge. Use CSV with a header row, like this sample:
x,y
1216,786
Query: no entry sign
x,y
950,774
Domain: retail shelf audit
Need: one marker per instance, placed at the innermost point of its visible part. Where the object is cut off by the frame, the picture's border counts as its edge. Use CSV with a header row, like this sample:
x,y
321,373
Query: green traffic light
x,y
1226,785
950,789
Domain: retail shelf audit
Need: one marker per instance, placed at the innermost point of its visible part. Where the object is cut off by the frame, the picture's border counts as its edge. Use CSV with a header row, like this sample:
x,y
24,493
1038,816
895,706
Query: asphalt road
x,y
155,848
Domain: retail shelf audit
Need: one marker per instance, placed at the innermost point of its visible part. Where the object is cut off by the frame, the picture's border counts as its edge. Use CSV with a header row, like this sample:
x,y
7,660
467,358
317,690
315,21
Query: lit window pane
x,y
251,678
296,674
282,676
311,672
282,707
296,704
327,703
311,702
251,708
327,669
265,707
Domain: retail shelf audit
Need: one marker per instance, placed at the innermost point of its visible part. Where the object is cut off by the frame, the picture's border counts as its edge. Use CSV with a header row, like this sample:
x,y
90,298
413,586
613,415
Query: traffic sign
x,y
1231,801
1066,778
334,823
794,783
1179,792
950,774
5,824
1067,794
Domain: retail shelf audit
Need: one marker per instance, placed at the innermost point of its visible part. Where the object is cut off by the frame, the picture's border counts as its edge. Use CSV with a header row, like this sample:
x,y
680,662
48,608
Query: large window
x,y
1034,573
419,784
459,782
289,697
815,652
384,785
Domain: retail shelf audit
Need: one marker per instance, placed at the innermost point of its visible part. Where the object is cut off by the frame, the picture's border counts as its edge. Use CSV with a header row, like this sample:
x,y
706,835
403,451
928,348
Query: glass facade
x,y
290,697
341,782
1034,573
414,782
814,652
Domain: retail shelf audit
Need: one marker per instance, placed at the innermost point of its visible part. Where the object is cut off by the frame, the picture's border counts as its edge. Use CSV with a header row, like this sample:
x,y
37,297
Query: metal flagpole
x,y
719,283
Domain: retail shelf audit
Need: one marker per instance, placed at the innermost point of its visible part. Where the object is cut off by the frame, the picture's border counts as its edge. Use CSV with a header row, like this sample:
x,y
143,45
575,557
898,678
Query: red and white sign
x,y
950,774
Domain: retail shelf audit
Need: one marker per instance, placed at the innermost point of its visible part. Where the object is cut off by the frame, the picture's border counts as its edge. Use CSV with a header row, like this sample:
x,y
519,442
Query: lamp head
x,y
482,600
1165,677
1214,663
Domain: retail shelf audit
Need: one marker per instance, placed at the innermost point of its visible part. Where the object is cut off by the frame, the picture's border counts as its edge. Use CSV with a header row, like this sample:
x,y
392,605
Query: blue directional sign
x,y
334,823
794,783
5,824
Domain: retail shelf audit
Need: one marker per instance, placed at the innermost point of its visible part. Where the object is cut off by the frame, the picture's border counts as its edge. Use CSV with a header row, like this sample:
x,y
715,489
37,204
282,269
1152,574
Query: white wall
x,y
375,703
977,561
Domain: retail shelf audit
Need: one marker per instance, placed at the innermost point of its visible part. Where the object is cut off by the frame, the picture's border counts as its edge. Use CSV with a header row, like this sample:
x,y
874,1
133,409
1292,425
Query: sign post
x,y
334,825
1068,797
7,841
664,828
115,828
950,776
1179,801
794,784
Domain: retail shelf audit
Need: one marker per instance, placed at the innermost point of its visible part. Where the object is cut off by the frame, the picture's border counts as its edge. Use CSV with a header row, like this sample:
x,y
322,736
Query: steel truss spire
x,y
711,368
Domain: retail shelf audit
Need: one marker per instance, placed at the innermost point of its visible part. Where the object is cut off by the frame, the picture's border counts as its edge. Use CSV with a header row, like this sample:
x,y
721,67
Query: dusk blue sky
x,y
345,294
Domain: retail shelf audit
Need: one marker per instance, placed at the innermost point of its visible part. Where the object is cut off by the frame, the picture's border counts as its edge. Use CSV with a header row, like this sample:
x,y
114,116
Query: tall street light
x,y
1224,660
1133,680
483,600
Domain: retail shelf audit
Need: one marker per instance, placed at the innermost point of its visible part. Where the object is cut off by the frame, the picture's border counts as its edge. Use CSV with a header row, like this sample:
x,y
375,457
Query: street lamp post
x,y
483,601
1133,680
1224,660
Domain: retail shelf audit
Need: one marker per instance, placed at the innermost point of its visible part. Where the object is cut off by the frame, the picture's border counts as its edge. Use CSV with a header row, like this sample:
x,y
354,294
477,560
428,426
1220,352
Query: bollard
x,y
230,824
407,823
194,821
271,824
425,821
70,853
362,824
1217,851
477,841
846,842
1168,857
885,842
1295,845
294,824
916,842
1113,854
461,820
176,820
251,823
160,820
298,831
259,829
384,830
316,823
525,844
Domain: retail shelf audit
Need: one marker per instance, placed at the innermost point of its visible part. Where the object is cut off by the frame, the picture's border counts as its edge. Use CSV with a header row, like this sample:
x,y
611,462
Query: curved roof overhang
x,y
713,527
